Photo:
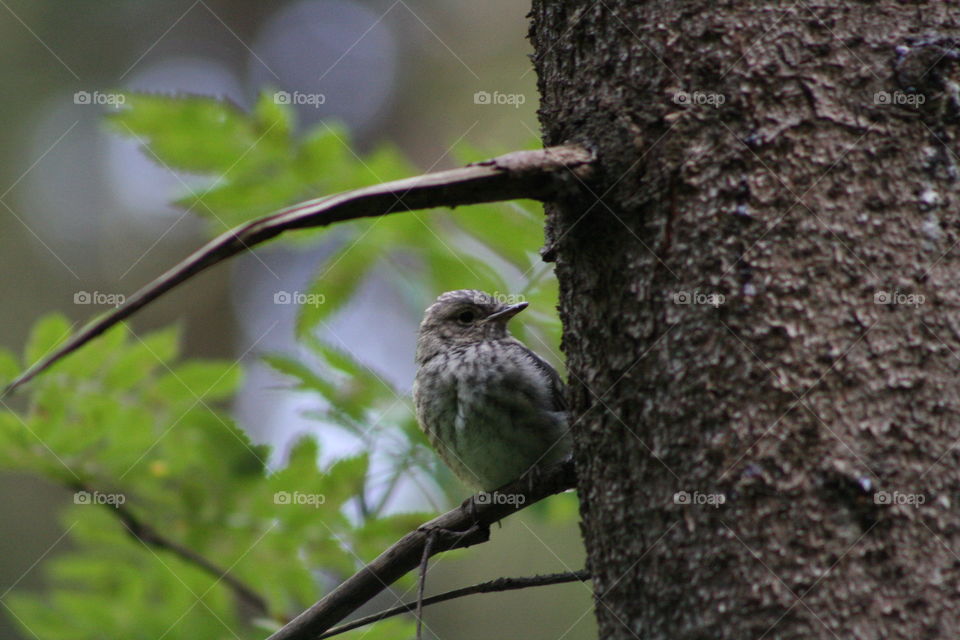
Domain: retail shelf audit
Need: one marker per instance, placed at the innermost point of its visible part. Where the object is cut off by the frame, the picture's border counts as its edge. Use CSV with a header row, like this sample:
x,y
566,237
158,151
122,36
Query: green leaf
x,y
491,223
324,159
210,380
296,369
9,367
191,133
388,629
450,270
47,334
337,282
138,360
273,115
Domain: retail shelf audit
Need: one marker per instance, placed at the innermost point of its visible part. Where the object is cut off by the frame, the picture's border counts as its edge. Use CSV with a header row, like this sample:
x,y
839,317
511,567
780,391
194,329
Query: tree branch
x,y
464,526
538,175
492,586
146,534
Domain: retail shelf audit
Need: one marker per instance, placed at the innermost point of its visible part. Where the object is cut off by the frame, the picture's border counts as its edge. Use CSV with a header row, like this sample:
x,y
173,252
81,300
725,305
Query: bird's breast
x,y
487,410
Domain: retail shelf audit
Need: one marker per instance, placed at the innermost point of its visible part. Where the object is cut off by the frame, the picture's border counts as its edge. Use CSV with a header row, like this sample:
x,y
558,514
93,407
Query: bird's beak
x,y
505,314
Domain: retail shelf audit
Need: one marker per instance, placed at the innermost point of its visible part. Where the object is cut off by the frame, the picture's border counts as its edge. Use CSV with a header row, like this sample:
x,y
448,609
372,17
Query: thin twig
x,y
392,484
538,175
460,527
424,562
145,533
492,586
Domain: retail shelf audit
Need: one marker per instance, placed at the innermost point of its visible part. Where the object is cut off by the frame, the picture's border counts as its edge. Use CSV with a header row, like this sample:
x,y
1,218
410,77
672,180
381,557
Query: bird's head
x,y
462,317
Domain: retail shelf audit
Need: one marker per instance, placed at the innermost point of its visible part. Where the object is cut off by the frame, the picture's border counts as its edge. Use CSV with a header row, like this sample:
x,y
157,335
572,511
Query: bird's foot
x,y
533,476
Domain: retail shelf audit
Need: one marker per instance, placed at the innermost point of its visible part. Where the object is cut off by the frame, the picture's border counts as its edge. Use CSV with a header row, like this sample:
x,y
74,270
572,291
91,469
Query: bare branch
x,y
538,175
492,586
464,526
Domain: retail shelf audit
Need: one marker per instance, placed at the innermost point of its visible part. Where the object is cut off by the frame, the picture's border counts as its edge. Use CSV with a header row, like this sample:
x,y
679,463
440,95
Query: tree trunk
x,y
760,306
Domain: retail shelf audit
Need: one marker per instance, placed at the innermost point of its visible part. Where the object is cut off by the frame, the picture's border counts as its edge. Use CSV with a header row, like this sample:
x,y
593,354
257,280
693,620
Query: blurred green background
x,y
85,211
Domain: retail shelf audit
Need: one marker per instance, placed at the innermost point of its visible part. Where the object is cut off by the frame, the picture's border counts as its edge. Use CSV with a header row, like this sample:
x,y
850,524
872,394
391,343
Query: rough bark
x,y
806,199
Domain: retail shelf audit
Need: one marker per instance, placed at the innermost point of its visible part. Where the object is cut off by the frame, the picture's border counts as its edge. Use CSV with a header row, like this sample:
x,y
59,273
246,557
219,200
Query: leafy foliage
x,y
131,428
134,425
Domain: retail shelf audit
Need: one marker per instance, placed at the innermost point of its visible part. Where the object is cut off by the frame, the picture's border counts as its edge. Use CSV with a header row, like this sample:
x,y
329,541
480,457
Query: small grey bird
x,y
490,407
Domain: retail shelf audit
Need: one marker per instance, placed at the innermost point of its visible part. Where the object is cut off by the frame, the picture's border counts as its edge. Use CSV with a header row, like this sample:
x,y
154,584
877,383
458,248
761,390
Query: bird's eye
x,y
466,317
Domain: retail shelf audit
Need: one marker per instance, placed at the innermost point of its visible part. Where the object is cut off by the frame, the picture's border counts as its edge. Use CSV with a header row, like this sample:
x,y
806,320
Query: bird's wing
x,y
557,387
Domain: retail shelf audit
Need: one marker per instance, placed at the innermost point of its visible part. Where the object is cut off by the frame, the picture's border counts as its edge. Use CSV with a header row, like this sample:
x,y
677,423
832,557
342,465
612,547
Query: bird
x,y
492,409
